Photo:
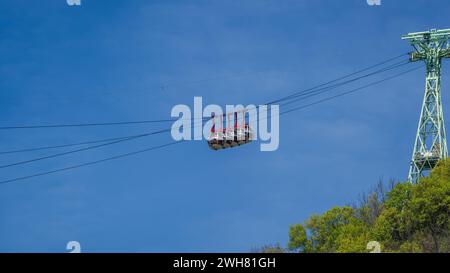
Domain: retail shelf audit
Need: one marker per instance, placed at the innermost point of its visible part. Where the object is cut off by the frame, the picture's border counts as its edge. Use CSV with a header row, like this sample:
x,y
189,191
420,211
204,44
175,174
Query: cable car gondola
x,y
229,137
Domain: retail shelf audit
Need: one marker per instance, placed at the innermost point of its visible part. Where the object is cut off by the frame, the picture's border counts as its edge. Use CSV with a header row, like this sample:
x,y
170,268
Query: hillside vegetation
x,y
406,218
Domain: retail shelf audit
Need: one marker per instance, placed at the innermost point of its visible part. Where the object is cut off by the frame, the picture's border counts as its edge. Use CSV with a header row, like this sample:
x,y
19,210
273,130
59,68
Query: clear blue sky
x,y
107,60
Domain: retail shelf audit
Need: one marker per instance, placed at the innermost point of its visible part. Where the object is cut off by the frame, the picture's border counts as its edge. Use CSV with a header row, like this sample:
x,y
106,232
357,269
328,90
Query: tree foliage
x,y
406,218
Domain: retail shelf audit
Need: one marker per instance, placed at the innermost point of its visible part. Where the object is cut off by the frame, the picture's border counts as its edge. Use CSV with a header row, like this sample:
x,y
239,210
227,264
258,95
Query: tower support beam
x,y
431,144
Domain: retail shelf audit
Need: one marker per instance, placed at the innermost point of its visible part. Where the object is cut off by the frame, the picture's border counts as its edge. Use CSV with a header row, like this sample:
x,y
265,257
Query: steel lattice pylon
x,y
431,143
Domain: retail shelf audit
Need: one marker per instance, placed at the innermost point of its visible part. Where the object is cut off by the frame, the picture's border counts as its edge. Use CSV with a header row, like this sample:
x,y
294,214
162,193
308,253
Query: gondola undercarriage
x,y
229,137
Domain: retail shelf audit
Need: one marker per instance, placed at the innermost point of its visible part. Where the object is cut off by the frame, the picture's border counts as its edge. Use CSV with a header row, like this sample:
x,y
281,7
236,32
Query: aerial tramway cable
x,y
296,96
176,142
95,124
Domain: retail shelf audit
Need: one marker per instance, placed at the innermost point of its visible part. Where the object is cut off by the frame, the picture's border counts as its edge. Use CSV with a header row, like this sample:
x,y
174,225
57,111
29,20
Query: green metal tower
x,y
431,144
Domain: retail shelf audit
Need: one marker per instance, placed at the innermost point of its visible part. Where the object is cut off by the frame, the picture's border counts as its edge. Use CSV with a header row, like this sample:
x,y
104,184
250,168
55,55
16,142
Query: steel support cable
x,y
329,88
63,145
82,149
351,91
89,163
47,126
294,98
176,142
341,78
123,139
